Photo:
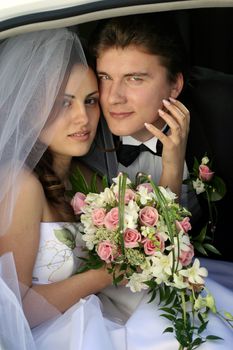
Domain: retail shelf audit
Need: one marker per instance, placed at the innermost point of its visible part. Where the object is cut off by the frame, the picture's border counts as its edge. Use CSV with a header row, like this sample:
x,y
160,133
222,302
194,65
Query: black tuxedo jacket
x,y
209,97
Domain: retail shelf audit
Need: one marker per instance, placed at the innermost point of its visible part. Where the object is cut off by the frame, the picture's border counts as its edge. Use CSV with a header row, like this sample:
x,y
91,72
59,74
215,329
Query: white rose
x,y
168,194
199,186
205,160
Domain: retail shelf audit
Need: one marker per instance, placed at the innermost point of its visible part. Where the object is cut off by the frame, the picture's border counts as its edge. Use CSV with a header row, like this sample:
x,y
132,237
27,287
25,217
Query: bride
x,y
49,113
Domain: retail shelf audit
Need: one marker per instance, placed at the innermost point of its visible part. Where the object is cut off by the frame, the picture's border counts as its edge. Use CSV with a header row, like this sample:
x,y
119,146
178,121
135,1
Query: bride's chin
x,y
81,151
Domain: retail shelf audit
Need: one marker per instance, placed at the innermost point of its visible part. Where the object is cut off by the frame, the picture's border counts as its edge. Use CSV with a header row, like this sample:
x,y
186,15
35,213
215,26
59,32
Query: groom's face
x,y
132,86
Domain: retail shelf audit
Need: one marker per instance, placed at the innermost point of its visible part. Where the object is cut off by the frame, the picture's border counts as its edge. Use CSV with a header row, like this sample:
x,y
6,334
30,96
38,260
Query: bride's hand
x,y
177,117
107,269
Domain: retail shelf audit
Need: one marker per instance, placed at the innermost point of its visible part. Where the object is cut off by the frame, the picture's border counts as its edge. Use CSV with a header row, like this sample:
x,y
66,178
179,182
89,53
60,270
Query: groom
x,y
141,65
133,53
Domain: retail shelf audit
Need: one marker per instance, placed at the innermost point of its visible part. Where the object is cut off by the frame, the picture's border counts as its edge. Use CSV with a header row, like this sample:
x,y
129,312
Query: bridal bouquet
x,y
143,235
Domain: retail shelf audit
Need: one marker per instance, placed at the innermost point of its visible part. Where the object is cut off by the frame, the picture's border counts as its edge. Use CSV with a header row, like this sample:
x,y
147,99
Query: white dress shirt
x,y
151,164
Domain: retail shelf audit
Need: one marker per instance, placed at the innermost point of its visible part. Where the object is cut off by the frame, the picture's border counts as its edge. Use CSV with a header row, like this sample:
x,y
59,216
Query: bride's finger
x,y
176,112
171,121
182,118
164,138
180,105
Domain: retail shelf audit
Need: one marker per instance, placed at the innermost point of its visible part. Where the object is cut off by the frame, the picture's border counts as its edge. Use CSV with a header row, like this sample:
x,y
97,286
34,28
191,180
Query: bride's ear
x,y
177,86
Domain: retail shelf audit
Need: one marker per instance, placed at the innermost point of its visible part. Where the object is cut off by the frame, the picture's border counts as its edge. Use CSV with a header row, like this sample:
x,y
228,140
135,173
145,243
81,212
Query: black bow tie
x,y
126,154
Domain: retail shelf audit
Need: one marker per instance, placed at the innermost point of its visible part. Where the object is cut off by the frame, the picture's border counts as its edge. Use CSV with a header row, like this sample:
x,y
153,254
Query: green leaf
x,y
93,186
199,247
66,237
202,327
199,315
167,293
82,269
211,248
123,267
202,235
180,324
171,297
169,317
168,310
78,182
196,166
198,341
213,337
118,279
151,284
220,189
97,265
153,295
168,330
104,181
161,294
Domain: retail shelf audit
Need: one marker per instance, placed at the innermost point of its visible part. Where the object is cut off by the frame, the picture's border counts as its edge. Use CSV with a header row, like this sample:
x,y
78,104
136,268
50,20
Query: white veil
x,y
15,332
34,68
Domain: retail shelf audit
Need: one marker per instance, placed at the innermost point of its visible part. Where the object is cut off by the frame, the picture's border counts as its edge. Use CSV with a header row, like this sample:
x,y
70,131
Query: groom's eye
x,y
135,78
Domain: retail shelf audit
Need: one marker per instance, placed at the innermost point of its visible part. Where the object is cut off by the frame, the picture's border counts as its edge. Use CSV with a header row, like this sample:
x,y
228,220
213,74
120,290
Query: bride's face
x,y
74,128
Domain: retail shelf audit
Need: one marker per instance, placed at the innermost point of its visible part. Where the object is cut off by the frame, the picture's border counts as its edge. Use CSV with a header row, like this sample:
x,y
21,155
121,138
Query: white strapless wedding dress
x,y
115,319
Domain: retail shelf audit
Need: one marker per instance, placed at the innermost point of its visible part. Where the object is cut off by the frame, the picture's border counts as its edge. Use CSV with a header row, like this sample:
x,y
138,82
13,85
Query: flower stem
x,y
210,213
225,319
163,204
121,208
183,307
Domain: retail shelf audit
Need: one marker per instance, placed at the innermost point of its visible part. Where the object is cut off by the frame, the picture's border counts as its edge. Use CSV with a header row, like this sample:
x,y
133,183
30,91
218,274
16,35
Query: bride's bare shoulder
x,y
27,207
29,184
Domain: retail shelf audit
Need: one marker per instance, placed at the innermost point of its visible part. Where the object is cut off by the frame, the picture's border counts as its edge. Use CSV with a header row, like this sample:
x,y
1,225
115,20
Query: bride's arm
x,y
22,239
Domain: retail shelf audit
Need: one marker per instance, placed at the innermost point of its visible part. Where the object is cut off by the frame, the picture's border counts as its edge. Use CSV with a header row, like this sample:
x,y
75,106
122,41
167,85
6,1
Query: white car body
x,y
19,16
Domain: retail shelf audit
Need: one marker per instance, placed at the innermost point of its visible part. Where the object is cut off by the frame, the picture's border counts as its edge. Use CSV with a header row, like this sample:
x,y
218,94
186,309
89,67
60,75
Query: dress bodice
x,y
60,245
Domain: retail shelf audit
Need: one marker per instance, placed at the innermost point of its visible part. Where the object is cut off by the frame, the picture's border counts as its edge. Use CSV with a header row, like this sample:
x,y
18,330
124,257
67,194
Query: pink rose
x,y
186,255
161,242
184,225
149,246
98,216
111,219
77,202
129,195
146,185
105,251
131,238
205,173
149,216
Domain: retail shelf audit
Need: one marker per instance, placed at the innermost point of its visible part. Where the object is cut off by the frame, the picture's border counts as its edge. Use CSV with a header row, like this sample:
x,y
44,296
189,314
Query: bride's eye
x,y
102,77
66,103
92,101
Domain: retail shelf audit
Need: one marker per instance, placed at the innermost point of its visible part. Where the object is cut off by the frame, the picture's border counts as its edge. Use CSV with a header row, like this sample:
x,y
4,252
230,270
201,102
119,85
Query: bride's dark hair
x,y
54,188
26,101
